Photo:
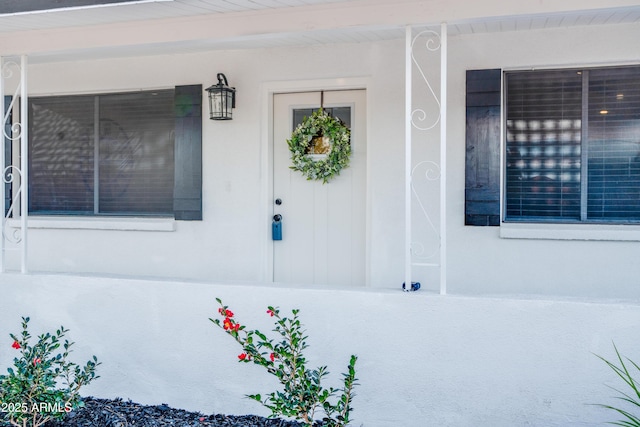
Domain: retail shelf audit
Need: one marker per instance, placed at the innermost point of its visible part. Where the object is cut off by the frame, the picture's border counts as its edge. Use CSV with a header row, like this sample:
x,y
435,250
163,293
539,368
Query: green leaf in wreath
x,y
339,153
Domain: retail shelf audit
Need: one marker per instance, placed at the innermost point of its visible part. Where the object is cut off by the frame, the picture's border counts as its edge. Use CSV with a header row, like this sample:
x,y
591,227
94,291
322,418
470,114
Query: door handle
x,y
276,227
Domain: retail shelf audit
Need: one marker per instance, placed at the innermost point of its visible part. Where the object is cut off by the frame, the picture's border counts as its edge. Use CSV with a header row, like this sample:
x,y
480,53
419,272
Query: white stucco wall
x,y
231,243
473,358
482,262
424,359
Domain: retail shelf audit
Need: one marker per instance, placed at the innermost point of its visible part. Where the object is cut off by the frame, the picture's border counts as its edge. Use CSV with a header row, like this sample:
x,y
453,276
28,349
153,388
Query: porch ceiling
x,y
237,24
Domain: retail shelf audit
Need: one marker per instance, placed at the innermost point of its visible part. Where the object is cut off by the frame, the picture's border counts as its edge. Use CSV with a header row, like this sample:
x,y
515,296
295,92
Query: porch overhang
x,y
110,32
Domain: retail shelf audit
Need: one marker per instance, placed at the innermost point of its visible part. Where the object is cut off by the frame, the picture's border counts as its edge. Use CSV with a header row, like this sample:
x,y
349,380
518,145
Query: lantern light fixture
x,y
222,99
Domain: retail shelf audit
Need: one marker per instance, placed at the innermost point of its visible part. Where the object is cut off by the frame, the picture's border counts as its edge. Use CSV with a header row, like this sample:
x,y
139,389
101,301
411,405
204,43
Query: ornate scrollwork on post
x,y
425,175
16,127
430,40
12,131
12,175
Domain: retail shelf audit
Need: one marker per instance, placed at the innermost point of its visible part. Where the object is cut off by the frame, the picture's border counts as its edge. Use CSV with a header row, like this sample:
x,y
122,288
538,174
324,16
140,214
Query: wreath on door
x,y
320,146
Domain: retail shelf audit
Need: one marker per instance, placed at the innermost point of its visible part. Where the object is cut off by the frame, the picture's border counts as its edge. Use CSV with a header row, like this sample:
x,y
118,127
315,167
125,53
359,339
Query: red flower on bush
x,y
36,361
225,312
227,324
291,370
16,345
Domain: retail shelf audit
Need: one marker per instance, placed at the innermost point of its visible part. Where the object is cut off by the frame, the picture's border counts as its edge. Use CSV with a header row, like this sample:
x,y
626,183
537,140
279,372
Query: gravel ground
x,y
120,413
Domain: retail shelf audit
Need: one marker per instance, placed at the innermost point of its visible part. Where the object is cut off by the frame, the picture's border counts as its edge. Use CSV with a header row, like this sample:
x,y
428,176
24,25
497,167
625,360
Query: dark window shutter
x,y
482,166
187,195
7,153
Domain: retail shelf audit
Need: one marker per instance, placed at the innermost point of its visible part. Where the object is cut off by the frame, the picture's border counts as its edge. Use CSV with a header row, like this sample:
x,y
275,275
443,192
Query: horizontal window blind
x,y
136,153
573,145
61,155
543,135
104,154
614,144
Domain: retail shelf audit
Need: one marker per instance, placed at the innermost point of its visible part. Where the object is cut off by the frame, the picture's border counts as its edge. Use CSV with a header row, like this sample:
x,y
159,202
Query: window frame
x,y
187,189
100,162
588,228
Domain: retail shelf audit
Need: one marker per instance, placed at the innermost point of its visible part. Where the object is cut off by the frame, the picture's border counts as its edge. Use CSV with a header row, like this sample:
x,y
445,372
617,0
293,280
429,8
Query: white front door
x,y
323,225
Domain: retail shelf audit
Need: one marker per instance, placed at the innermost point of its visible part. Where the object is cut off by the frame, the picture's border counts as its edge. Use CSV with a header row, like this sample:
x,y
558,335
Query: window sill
x,y
627,233
96,223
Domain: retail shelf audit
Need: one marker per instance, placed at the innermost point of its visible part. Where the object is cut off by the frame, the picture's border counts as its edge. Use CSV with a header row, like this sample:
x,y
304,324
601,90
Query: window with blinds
x,y
107,154
573,145
613,149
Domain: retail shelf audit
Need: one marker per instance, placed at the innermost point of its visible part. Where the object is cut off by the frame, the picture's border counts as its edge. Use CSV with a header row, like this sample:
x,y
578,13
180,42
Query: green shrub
x,y
42,385
303,393
631,416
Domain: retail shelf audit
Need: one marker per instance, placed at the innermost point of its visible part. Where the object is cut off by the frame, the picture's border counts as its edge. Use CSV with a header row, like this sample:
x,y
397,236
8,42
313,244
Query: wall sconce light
x,y
222,99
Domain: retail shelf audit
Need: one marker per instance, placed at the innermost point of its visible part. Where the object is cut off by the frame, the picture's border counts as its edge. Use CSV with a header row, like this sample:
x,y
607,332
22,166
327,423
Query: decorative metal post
x,y
428,170
443,158
24,140
14,129
4,139
408,166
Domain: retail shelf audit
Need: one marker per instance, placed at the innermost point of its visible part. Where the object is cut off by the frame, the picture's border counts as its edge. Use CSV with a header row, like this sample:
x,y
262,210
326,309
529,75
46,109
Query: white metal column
x,y
443,158
24,121
441,168
408,165
14,174
5,137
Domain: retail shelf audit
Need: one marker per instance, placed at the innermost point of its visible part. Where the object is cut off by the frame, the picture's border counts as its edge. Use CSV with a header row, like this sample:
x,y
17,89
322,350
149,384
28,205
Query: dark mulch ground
x,y
120,413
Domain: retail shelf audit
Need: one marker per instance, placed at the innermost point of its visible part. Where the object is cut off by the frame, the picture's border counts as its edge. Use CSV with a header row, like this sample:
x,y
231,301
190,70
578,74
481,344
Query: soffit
x,y
141,11
356,28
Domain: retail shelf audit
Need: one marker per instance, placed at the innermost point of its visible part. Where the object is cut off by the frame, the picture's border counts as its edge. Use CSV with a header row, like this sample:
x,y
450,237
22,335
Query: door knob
x,y
278,202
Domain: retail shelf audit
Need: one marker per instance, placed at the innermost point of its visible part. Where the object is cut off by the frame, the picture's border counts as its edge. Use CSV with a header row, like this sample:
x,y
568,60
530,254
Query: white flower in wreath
x,y
320,146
